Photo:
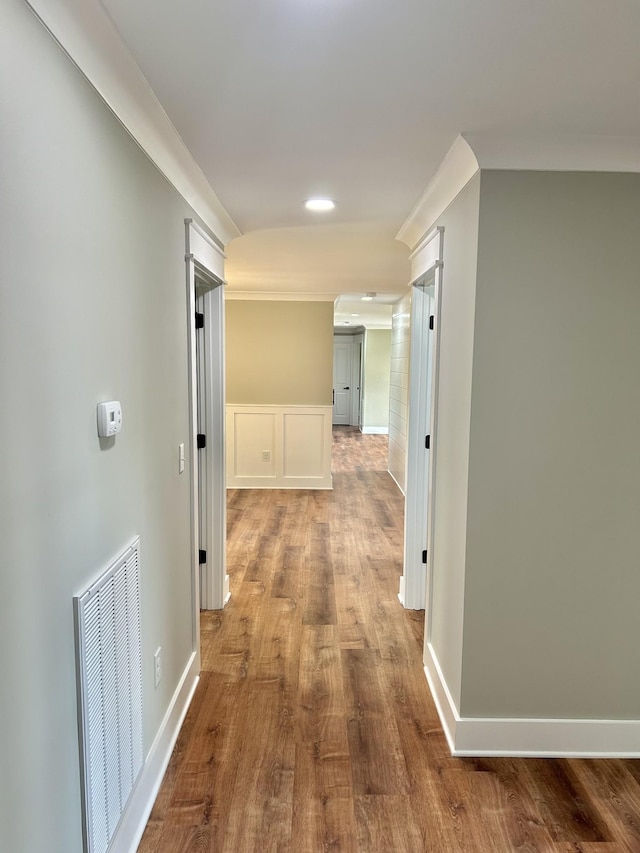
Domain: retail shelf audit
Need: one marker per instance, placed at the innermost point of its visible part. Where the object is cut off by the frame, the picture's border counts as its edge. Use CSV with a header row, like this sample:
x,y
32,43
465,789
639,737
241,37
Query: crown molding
x,y
453,174
85,32
472,152
566,153
278,296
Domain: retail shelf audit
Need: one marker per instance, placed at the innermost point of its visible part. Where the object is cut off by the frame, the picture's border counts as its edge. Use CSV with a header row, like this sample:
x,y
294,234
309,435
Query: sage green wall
x,y
552,623
92,307
377,371
279,353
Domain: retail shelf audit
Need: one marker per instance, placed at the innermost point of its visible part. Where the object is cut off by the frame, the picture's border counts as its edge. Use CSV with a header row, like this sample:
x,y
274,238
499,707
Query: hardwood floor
x,y
312,728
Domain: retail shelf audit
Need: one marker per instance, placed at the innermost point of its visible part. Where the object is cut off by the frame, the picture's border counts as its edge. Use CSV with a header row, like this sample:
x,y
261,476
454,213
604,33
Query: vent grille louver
x,y
109,667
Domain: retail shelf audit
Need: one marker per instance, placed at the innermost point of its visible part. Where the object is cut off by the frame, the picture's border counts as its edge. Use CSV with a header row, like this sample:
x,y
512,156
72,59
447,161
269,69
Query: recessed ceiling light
x,y
368,297
319,204
355,315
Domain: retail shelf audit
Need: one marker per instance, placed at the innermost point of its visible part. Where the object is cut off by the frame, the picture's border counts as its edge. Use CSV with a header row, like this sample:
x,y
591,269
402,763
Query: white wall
x,y
92,307
399,389
552,581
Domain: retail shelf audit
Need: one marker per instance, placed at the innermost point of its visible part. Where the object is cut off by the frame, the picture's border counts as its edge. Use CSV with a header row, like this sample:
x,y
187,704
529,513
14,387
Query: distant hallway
x,y
313,729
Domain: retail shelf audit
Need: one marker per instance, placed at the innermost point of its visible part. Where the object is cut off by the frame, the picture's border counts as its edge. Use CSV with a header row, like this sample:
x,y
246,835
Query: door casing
x,y
205,259
417,577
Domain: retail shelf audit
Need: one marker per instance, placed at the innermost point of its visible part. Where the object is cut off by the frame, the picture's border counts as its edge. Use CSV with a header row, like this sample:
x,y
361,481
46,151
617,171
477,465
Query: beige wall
x,y
399,389
279,353
552,582
377,369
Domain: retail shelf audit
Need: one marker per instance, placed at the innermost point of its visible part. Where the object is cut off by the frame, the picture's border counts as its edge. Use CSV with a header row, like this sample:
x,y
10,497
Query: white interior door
x,y
342,377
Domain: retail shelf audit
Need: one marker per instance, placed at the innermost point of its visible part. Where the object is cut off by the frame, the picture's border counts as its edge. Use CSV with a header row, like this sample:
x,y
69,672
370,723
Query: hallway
x,y
313,729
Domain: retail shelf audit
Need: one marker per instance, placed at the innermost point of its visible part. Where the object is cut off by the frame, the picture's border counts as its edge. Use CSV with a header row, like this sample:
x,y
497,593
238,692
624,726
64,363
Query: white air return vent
x,y
109,666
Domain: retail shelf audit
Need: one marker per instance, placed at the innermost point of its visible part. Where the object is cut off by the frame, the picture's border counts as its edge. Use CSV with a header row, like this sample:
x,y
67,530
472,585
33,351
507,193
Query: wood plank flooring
x,y
312,728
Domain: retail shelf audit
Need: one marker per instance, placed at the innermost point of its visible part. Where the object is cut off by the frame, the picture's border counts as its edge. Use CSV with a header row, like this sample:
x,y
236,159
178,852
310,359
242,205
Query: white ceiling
x,y
350,310
322,261
360,100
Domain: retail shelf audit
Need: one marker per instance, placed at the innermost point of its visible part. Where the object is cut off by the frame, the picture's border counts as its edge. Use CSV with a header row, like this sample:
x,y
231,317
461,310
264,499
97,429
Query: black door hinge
x,y
199,320
201,440
431,321
202,556
424,556
427,441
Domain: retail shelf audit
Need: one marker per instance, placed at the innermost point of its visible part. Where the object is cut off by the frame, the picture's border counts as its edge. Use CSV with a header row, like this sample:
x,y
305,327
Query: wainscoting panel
x,y
279,447
255,444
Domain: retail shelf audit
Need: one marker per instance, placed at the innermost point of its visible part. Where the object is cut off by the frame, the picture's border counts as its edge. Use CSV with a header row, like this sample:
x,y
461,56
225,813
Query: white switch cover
x,y
180,458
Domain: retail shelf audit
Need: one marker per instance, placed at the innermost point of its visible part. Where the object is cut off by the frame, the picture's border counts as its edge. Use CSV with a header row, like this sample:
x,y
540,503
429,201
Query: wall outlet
x,y
266,456
157,665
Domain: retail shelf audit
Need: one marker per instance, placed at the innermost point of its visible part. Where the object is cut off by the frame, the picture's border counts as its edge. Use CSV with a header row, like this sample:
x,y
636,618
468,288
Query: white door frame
x,y
205,257
357,356
415,583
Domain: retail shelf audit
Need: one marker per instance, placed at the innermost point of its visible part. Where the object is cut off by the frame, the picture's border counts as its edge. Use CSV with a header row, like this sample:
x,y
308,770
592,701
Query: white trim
x,y
562,153
213,579
193,428
417,456
433,457
284,296
433,234
205,250
402,493
401,591
528,738
296,458
421,421
374,430
136,814
474,151
445,706
215,590
357,373
84,30
454,173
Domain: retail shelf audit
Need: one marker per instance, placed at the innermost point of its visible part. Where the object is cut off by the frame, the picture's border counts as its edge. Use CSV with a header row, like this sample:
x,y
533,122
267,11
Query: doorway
x,y
205,303
342,379
347,380
415,582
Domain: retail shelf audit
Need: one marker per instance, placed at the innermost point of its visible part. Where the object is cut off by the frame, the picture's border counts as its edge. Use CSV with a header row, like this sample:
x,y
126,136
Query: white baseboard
x,y
134,818
528,738
401,591
374,430
396,482
301,483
